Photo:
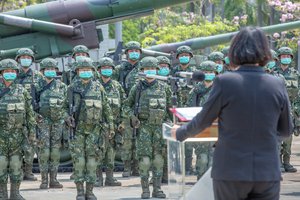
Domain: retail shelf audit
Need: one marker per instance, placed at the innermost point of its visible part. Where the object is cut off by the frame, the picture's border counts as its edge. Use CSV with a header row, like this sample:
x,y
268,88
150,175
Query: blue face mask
x,y
219,68
227,61
9,76
50,73
107,72
164,71
78,58
86,74
285,61
150,72
25,62
210,76
271,64
134,55
184,59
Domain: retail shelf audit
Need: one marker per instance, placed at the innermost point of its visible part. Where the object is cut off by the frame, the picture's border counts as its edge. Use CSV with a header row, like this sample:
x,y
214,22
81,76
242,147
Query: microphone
x,y
163,78
196,76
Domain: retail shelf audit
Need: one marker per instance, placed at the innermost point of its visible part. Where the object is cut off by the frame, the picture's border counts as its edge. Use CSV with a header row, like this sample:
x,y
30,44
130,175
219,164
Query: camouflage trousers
x,y
286,149
86,150
109,154
49,143
11,142
150,146
128,148
204,155
29,150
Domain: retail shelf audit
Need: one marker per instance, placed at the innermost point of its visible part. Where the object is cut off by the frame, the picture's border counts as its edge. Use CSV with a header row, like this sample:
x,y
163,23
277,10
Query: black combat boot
x,y
287,166
127,168
80,191
89,195
15,191
99,181
110,180
145,188
44,184
157,192
28,175
3,191
53,180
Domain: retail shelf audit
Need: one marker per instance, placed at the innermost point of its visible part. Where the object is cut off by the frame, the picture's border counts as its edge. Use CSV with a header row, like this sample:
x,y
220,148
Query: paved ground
x,y
131,188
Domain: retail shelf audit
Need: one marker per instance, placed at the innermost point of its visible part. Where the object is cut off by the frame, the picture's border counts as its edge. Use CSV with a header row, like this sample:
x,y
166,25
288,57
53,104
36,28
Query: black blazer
x,y
253,110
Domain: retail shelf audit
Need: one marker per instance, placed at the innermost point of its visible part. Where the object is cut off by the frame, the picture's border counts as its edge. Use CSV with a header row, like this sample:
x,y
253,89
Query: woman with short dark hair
x,y
252,108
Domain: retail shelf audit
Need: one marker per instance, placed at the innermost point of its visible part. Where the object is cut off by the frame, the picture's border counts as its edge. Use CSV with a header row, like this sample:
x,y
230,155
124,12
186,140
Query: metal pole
x,y
118,33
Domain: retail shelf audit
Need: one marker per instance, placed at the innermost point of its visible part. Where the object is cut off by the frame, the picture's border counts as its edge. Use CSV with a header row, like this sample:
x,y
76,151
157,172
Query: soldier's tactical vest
x,y
51,102
291,82
91,105
129,76
114,98
27,79
152,104
12,109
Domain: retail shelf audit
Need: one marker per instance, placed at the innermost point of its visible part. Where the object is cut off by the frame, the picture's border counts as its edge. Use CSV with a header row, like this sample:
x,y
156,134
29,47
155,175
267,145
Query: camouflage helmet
x,y
84,63
274,54
106,61
215,56
208,66
225,51
149,62
8,64
80,49
24,52
285,51
184,49
163,60
48,63
132,45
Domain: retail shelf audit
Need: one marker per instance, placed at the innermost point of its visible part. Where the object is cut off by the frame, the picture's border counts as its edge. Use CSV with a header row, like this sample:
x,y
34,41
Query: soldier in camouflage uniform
x,y
15,111
127,75
51,97
79,52
27,77
272,64
89,103
147,107
197,97
218,58
292,81
116,96
184,55
225,52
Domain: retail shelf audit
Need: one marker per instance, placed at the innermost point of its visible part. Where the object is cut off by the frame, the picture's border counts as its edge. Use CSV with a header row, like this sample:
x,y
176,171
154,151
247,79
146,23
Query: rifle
x,y
136,107
71,113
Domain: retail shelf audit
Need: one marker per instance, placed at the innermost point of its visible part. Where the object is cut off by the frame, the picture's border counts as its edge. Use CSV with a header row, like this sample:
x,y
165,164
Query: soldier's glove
x,y
70,121
39,118
32,139
111,135
134,122
119,140
121,127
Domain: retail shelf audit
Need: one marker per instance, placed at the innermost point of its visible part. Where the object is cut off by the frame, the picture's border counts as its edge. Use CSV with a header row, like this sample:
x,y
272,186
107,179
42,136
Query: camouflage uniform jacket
x,y
127,75
153,104
51,98
116,96
29,78
91,109
16,109
183,90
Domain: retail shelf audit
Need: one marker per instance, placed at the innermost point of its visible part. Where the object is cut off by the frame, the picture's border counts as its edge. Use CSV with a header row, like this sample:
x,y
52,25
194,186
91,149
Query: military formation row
x,y
106,108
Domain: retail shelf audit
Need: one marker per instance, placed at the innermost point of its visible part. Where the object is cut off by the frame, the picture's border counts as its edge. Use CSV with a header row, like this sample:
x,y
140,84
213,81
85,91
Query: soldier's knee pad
x,y
3,165
144,163
158,161
44,153
55,154
15,164
79,163
91,163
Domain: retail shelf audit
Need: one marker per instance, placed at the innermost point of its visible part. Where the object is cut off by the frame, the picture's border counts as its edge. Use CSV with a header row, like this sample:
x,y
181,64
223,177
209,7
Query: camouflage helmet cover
x,y
149,62
80,49
163,60
285,51
48,63
215,56
24,52
274,54
8,64
84,63
132,45
184,49
225,51
208,66
106,61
